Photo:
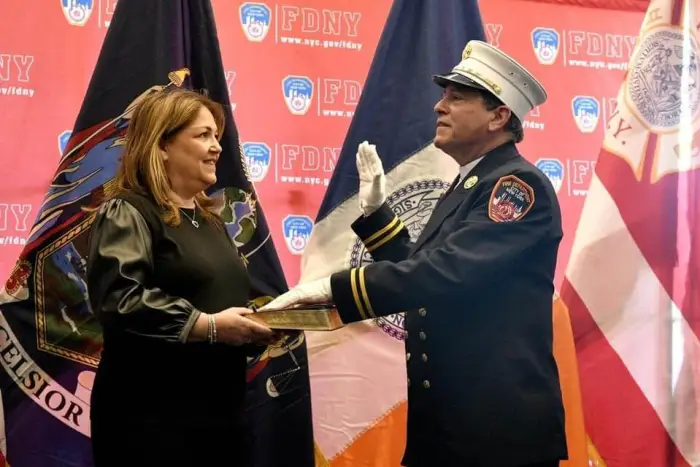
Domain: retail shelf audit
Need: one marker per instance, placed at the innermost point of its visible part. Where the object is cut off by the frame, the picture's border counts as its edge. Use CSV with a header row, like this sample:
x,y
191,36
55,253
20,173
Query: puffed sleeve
x,y
119,266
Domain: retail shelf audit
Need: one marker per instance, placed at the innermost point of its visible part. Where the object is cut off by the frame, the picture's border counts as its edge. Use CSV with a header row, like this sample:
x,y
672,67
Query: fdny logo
x,y
413,204
298,92
586,112
255,20
545,43
63,139
77,12
297,230
258,157
656,85
554,170
510,200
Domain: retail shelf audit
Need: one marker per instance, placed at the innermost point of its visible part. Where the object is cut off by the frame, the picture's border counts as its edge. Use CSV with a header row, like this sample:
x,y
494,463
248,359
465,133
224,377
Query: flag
x,y
564,350
49,341
395,112
633,265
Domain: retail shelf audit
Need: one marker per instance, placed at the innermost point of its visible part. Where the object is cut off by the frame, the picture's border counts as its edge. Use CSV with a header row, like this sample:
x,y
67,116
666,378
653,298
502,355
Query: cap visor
x,y
456,78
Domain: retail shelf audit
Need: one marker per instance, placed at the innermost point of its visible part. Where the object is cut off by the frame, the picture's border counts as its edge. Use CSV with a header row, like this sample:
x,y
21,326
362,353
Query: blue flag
x,y
395,112
49,341
421,38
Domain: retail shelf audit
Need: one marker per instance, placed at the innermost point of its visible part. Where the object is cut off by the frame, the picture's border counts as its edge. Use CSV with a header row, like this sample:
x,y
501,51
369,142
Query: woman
x,y
169,288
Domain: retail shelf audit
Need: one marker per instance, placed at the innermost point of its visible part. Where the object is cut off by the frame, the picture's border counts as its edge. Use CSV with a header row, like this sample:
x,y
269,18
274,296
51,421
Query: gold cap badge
x,y
467,52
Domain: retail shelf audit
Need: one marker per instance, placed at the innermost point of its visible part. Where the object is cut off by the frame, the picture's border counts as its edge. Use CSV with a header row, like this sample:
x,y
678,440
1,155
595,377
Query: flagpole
x,y
683,235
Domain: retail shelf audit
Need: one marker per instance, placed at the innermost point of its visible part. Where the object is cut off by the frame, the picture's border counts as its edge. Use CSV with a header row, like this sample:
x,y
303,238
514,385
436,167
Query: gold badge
x,y
467,52
470,182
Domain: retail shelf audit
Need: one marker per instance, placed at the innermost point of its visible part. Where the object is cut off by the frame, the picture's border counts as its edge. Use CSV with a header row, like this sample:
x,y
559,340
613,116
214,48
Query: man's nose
x,y
440,107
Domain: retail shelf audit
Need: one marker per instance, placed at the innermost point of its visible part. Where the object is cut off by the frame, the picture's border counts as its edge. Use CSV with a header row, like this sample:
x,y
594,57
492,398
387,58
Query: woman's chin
x,y
207,180
209,177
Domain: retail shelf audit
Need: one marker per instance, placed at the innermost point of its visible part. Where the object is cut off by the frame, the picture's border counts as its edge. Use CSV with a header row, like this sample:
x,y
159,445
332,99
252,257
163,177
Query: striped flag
x,y
358,374
631,284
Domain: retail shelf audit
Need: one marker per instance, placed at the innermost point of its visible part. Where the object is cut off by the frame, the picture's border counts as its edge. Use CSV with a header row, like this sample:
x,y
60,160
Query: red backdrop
x,y
46,59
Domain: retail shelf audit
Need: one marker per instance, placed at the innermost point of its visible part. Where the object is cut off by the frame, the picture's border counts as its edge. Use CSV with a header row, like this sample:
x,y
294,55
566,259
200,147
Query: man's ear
x,y
500,118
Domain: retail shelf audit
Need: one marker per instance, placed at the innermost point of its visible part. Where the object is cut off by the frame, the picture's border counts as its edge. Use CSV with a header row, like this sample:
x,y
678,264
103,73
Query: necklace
x,y
194,222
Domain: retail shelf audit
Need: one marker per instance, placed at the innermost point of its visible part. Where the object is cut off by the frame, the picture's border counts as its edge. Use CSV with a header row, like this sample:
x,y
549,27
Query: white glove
x,y
372,179
318,291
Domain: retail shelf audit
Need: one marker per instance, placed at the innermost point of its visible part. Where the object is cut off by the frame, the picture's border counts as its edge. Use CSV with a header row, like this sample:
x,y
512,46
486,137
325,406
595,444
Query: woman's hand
x,y
234,328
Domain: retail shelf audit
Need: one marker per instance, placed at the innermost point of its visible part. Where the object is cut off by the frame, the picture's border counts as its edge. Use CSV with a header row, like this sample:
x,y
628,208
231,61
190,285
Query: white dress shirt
x,y
465,169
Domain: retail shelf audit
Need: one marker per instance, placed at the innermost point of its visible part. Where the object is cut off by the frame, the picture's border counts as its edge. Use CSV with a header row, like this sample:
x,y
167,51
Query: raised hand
x,y
372,178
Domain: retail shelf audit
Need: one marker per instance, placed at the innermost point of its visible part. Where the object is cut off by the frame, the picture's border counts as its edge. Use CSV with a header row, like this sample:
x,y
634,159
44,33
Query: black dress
x,y
158,400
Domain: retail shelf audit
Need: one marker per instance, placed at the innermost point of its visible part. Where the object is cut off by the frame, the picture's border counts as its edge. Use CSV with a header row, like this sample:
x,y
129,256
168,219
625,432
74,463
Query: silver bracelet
x,y
211,329
208,329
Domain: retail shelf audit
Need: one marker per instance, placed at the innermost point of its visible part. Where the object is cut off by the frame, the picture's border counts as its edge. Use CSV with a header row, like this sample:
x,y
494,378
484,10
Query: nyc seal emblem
x,y
413,204
663,83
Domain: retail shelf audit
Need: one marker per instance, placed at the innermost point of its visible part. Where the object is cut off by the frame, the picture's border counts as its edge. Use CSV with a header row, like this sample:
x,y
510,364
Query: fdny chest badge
x,y
511,199
470,182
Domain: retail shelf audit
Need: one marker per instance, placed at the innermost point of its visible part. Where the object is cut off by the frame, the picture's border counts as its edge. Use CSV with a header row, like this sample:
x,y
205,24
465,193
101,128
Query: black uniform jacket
x,y
477,287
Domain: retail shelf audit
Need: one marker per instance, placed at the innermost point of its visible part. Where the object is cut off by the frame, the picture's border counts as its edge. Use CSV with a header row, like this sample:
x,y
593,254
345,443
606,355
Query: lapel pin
x,y
470,182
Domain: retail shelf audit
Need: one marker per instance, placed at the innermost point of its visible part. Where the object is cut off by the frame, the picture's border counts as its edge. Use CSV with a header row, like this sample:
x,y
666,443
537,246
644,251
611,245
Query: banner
x,y
323,54
295,70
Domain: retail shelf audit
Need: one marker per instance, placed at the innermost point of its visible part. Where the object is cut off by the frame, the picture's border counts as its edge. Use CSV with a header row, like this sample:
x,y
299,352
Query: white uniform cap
x,y
485,67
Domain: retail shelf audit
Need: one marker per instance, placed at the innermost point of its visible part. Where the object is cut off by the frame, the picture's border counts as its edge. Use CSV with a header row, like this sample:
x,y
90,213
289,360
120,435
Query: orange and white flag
x,y
630,285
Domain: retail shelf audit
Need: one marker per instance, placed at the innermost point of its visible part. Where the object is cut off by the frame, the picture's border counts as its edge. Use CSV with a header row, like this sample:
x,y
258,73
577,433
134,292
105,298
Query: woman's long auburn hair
x,y
156,120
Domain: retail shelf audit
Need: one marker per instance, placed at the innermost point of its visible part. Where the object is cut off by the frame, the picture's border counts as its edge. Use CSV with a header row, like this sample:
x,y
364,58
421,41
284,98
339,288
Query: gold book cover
x,y
317,317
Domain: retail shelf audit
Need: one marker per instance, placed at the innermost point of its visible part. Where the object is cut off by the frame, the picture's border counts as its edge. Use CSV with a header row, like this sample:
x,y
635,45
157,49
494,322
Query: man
x,y
476,286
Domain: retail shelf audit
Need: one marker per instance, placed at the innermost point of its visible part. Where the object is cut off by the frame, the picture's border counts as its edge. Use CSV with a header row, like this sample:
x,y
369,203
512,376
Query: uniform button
x,y
422,311
424,357
409,382
422,336
426,384
408,356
